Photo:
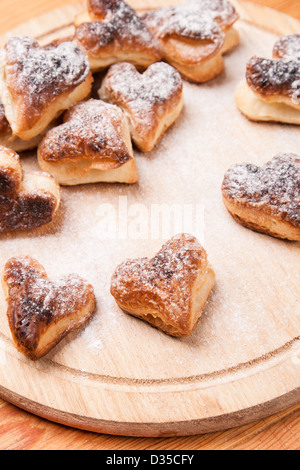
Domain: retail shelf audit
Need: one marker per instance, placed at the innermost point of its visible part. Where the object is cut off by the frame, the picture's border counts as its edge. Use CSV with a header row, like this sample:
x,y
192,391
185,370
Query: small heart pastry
x,y
42,312
39,83
110,31
93,145
271,91
195,35
152,101
26,201
168,291
266,199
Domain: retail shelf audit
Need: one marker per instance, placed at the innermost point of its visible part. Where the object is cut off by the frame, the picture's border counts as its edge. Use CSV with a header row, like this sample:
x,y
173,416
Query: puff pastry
x,y
37,84
168,291
93,145
271,91
110,31
266,199
26,201
152,101
42,312
7,139
194,36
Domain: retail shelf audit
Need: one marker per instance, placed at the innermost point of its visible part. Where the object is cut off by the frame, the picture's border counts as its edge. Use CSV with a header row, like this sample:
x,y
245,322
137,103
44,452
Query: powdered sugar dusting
x,y
288,47
91,128
270,77
275,185
145,93
43,73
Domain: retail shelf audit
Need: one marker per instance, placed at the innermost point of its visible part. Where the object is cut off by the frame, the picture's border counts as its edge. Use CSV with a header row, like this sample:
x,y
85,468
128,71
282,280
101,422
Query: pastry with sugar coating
x,y
92,145
152,101
271,91
195,35
27,201
42,312
38,83
111,31
168,291
266,199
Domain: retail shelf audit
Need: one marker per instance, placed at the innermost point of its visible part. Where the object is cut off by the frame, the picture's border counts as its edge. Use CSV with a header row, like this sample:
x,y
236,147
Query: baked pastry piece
x,y
42,312
27,200
152,101
110,31
93,145
194,36
37,84
7,139
271,91
168,291
266,199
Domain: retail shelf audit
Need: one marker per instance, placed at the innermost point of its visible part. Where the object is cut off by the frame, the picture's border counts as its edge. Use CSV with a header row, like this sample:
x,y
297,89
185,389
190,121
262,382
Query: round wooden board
x,y
120,376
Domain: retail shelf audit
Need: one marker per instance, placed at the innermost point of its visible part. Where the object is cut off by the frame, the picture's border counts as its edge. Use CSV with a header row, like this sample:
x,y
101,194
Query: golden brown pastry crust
x,y
152,101
7,139
195,35
37,84
271,91
26,201
266,199
92,145
168,291
40,312
112,32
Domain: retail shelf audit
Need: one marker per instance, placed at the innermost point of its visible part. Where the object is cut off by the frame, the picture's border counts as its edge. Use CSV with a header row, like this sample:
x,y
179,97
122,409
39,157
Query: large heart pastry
x,y
152,100
111,31
92,145
271,91
27,200
266,199
39,83
195,35
41,312
168,291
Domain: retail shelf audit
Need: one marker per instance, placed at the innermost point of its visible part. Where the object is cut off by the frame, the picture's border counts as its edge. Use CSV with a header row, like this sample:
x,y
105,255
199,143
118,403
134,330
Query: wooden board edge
x,y
156,430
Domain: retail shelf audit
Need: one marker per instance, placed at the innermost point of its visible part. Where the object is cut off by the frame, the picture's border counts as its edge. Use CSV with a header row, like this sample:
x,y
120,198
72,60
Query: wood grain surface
x,y
21,430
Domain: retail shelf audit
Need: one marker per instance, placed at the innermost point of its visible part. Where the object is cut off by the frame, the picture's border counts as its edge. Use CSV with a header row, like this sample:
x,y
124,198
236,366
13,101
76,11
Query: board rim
x,y
238,417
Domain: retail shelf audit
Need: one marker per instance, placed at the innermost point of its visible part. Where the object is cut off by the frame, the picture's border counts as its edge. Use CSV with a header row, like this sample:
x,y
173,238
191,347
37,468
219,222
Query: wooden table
x,y
20,430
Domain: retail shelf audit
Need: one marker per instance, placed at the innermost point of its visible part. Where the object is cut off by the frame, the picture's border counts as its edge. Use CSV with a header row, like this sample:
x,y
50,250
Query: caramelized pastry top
x,y
165,281
145,95
198,19
34,302
36,76
276,186
24,205
114,21
269,77
92,129
287,47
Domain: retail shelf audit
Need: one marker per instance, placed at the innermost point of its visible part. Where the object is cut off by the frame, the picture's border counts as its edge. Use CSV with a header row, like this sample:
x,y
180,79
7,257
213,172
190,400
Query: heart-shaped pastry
x,y
152,101
39,83
266,199
168,291
195,35
41,312
92,145
26,201
110,31
271,91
